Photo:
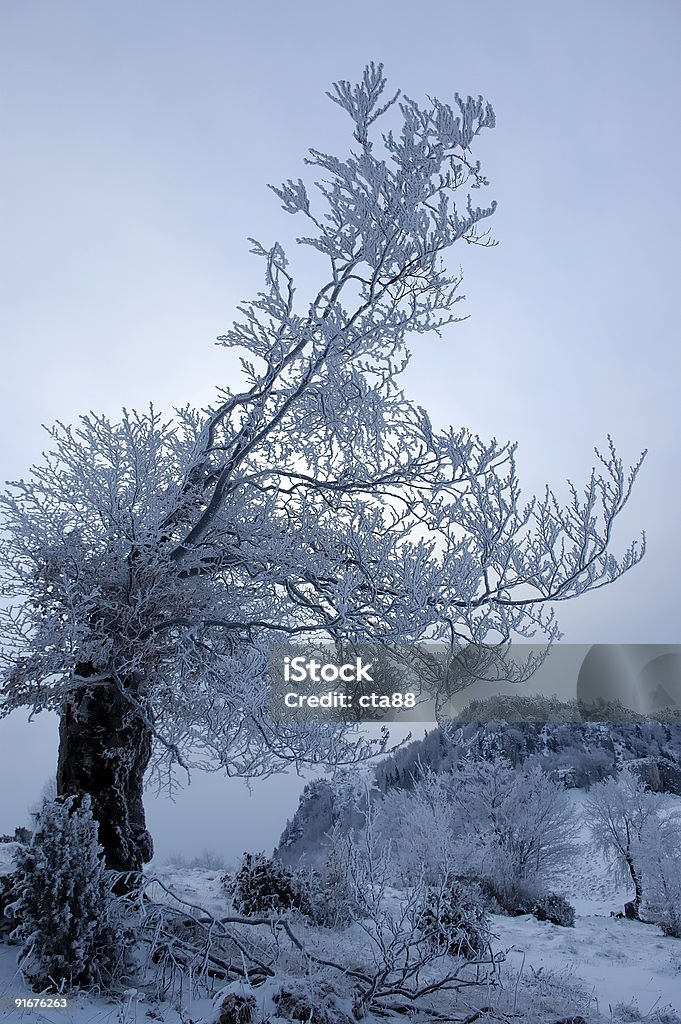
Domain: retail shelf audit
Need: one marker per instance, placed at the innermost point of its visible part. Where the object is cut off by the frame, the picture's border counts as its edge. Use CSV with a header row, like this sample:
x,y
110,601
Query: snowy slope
x,y
619,961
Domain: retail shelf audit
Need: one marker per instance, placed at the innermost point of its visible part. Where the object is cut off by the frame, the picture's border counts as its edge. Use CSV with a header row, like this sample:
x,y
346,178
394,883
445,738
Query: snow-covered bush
x,y
554,908
518,824
70,924
323,894
515,903
455,918
237,1009
512,827
533,828
264,886
352,867
330,899
520,900
310,1004
335,889
6,898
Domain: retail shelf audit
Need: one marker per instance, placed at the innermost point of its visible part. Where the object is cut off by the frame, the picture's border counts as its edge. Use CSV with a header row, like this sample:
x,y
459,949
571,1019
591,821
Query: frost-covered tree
x,y
68,920
150,565
623,816
520,823
425,829
660,859
513,827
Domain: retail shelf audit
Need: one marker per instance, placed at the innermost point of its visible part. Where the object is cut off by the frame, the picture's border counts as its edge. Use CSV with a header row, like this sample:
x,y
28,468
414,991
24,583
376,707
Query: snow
x,y
6,857
616,961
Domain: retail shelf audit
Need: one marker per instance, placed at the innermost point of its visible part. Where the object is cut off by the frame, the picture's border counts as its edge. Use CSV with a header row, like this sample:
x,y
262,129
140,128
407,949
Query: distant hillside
x,y
556,735
575,744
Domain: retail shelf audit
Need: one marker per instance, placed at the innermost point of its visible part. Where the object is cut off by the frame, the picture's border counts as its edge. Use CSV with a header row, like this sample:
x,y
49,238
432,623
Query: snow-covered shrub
x,y
69,922
334,888
515,903
423,825
554,908
263,886
237,1009
455,918
298,1002
348,878
510,826
520,900
518,824
325,894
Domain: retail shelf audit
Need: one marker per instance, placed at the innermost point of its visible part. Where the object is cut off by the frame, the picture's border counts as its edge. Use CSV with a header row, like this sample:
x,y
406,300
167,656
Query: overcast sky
x,y
137,140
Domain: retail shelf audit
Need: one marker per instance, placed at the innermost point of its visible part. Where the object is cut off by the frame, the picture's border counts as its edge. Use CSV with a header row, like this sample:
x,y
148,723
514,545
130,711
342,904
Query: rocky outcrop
x,y
660,775
321,807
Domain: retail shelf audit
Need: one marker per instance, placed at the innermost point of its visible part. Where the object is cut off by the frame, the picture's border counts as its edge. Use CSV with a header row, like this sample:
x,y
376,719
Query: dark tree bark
x,y
104,750
632,909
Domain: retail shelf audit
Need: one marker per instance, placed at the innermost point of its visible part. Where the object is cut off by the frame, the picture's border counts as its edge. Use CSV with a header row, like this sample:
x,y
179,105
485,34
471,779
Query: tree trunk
x,y
632,909
104,750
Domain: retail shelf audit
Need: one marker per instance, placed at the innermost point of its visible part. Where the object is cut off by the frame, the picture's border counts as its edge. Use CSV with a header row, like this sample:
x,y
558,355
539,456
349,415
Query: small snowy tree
x,y
425,829
69,920
263,885
621,814
150,565
519,825
455,918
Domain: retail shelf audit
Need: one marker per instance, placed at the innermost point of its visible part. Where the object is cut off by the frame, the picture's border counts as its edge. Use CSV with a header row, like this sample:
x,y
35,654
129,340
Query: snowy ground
x,y
626,971
630,970
620,961
617,961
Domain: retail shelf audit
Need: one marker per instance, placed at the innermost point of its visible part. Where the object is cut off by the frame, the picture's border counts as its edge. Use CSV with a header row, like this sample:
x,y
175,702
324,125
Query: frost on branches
x,y
68,920
150,563
641,842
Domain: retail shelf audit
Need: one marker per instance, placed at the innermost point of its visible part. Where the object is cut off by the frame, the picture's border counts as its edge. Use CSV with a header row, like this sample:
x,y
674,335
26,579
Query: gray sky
x,y
137,139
